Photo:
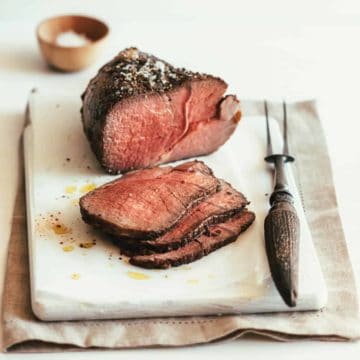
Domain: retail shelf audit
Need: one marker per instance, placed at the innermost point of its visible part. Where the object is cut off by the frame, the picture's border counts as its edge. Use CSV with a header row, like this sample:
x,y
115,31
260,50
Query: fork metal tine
x,y
286,144
268,135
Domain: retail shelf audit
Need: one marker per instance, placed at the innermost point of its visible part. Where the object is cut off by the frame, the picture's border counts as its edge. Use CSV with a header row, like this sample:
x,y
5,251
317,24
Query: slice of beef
x,y
139,111
219,235
145,204
217,208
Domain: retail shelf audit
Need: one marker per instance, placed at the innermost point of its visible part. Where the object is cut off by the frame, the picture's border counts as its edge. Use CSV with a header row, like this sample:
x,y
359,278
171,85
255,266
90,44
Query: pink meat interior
x,y
150,200
148,129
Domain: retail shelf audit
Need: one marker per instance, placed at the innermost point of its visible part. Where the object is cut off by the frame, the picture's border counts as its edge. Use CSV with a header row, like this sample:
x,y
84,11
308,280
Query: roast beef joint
x,y
140,111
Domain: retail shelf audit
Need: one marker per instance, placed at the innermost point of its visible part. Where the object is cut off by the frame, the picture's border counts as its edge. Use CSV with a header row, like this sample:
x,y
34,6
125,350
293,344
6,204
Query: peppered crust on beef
x,y
139,111
219,235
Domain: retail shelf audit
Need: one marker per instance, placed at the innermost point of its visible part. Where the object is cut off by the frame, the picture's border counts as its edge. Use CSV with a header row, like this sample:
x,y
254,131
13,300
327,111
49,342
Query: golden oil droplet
x,y
87,188
70,189
68,248
75,276
60,229
137,276
87,245
192,281
183,267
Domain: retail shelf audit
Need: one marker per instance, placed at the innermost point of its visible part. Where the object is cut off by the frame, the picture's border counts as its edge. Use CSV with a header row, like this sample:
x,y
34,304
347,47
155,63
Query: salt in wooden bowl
x,y
71,42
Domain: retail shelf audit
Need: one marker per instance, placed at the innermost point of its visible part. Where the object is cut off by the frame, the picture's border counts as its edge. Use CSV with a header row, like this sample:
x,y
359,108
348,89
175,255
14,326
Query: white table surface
x,y
272,48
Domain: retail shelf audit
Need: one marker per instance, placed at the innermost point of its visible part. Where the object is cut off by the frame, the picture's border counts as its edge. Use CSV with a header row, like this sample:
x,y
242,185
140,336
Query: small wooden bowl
x,y
69,58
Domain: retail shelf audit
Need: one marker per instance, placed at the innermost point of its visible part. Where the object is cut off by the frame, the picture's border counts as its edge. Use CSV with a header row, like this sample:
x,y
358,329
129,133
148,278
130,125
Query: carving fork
x,y
282,226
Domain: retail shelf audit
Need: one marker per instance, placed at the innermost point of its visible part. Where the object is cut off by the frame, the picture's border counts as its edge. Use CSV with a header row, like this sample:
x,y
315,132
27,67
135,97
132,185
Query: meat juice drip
x,y
192,281
87,188
137,275
68,248
87,245
50,224
70,189
61,229
75,276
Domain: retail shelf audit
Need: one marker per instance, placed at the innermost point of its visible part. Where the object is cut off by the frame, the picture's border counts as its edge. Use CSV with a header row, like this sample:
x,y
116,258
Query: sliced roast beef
x,y
139,111
219,235
215,209
147,203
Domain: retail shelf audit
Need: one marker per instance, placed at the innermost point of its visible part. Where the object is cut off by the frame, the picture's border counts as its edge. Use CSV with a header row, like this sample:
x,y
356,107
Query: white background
x,y
262,48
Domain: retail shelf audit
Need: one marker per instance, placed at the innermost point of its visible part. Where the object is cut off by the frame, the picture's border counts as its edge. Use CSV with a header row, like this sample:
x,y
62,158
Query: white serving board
x,y
70,282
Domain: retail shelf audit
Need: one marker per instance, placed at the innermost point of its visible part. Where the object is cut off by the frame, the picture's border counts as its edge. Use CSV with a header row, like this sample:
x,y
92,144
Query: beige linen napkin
x,y
338,321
